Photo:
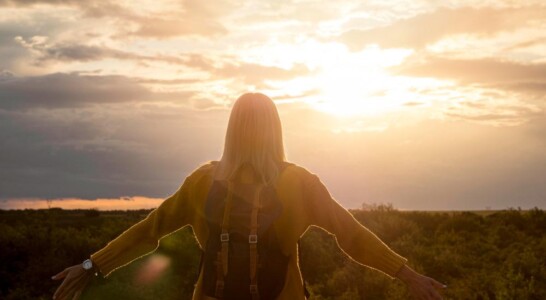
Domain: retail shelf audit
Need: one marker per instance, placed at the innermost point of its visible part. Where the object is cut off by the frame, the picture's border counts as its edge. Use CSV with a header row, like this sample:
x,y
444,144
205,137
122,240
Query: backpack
x,y
242,259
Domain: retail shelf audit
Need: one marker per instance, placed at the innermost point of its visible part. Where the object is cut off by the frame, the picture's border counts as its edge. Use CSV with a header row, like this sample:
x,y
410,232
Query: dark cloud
x,y
68,52
496,79
175,81
537,88
67,90
75,90
131,153
20,3
491,112
91,8
189,18
428,28
103,152
6,75
192,17
84,53
498,118
168,28
473,70
10,48
488,72
218,68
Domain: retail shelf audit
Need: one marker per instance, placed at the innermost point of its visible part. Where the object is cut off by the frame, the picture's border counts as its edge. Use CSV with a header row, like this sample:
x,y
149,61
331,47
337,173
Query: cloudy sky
x,y
423,104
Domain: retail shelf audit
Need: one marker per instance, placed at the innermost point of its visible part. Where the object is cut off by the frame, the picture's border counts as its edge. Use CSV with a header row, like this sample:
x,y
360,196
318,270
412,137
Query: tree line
x,y
487,255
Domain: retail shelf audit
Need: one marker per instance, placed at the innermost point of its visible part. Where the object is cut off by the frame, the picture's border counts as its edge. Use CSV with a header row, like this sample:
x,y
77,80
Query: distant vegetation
x,y
498,255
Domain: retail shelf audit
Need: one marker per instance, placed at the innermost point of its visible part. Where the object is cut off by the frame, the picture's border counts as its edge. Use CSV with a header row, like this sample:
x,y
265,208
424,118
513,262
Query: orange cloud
x,y
428,28
485,70
167,28
123,203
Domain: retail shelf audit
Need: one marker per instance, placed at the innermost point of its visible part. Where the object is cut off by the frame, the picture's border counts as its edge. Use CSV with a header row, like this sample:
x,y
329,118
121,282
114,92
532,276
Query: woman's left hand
x,y
420,286
75,280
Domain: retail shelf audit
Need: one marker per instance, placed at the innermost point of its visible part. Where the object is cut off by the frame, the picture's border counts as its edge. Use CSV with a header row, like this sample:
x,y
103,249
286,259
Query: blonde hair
x,y
253,139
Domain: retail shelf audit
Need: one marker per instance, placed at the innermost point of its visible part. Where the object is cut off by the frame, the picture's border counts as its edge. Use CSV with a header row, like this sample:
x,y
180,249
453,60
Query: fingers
x,y
426,289
73,282
73,285
61,288
433,289
60,275
428,294
433,294
437,285
77,295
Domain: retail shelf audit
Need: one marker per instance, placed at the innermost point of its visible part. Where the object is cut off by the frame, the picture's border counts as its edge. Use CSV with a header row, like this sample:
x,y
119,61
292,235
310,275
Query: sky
x,y
425,105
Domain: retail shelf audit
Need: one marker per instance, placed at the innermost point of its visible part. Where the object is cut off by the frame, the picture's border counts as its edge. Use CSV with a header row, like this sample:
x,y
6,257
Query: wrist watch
x,y
88,265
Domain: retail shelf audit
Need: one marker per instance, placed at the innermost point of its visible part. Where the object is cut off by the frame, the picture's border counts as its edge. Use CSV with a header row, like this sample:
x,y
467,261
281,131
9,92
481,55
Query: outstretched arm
x,y
360,243
354,239
142,238
138,240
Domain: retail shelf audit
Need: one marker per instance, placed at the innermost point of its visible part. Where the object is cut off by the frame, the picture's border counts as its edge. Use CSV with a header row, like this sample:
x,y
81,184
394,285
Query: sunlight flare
x,y
152,270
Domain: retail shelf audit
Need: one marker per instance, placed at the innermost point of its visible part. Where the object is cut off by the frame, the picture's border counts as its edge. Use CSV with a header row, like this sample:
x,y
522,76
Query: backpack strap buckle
x,y
254,289
219,293
224,237
253,239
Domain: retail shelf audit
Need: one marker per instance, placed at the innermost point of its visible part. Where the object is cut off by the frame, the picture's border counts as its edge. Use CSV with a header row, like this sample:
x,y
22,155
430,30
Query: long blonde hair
x,y
253,139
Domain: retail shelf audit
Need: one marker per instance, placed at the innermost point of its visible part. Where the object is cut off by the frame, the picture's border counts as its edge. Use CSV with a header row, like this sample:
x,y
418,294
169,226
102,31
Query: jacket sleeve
x,y
142,238
354,239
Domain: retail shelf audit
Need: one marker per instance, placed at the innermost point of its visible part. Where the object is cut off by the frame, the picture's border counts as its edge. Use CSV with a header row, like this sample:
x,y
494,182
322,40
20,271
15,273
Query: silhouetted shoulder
x,y
301,173
202,171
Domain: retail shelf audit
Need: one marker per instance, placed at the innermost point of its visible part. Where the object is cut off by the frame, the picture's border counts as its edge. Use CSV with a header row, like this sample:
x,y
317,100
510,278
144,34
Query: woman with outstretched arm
x,y
248,210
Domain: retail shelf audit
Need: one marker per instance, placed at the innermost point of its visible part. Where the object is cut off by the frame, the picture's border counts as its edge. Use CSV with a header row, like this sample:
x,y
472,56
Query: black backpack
x,y
242,259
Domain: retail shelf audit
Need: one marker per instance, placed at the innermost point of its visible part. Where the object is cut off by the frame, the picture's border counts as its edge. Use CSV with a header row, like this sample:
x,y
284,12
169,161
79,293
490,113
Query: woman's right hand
x,y
75,280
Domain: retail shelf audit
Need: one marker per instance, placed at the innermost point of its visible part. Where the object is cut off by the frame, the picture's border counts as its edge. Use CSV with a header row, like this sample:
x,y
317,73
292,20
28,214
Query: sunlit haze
x,y
426,105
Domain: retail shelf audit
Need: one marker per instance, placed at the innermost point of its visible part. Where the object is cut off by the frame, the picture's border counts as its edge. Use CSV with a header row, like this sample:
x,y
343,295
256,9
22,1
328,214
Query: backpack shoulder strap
x,y
305,290
223,255
253,244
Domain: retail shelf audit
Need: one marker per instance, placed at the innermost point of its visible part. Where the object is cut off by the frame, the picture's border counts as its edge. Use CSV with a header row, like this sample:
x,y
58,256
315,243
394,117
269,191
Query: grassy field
x,y
479,255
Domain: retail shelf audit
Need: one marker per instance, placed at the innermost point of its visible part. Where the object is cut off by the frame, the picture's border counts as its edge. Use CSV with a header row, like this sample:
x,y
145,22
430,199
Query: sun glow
x,y
343,83
357,83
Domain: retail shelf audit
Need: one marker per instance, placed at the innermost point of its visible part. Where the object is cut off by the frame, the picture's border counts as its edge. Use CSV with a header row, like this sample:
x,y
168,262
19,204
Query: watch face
x,y
87,264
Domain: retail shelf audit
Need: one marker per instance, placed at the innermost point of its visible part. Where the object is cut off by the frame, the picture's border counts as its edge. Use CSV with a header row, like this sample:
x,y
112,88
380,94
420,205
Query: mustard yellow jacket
x,y
305,201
